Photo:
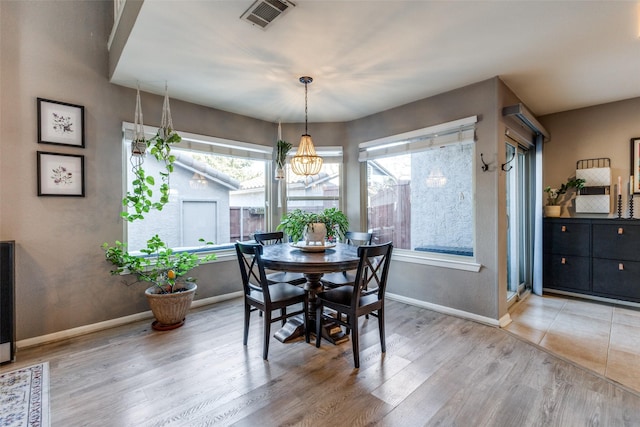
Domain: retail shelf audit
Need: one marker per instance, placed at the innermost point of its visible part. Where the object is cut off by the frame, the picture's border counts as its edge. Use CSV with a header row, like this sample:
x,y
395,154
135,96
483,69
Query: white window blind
x,y
212,144
460,131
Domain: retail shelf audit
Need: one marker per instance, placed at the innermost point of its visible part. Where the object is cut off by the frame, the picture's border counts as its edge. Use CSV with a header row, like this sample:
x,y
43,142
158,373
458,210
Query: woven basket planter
x,y
170,310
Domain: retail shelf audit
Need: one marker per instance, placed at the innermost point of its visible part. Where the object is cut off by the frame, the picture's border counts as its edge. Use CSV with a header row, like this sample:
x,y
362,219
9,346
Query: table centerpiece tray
x,y
313,247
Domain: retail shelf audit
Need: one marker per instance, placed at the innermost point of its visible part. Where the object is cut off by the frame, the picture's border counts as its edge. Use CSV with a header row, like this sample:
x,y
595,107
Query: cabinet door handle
x,y
563,261
564,228
620,266
620,230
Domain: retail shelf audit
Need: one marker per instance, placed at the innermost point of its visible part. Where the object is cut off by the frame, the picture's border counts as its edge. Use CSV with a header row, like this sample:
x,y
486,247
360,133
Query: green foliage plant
x,y
554,194
293,223
282,149
139,201
158,265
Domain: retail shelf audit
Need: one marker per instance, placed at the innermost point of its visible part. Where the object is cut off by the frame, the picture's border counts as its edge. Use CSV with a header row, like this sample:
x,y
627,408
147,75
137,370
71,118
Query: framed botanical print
x,y
60,123
635,166
60,174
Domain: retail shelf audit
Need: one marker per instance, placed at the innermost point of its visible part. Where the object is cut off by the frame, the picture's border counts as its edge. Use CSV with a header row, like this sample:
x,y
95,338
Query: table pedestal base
x,y
291,330
294,328
333,333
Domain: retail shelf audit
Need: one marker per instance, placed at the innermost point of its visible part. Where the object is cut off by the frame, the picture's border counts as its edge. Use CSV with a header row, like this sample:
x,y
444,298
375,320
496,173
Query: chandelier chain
x,y
305,108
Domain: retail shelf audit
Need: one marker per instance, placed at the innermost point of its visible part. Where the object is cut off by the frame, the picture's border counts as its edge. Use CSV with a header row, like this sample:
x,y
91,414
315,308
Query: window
x,y
318,192
420,189
218,193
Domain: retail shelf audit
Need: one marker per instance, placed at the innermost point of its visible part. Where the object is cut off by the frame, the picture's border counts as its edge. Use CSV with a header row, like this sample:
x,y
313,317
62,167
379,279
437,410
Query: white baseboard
x,y
447,310
95,327
505,320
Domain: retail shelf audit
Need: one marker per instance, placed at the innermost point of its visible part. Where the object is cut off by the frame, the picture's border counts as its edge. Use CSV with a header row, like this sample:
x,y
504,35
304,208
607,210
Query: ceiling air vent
x,y
263,12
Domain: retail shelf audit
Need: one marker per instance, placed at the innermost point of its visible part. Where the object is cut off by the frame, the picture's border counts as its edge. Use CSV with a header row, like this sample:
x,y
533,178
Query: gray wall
x,y
599,131
57,50
462,290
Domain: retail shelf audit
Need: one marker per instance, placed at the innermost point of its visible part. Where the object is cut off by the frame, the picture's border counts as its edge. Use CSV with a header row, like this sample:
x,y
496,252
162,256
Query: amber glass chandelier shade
x,y
306,162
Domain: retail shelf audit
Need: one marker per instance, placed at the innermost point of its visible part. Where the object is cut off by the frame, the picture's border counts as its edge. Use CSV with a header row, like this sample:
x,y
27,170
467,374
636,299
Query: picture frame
x,y
635,164
60,123
60,175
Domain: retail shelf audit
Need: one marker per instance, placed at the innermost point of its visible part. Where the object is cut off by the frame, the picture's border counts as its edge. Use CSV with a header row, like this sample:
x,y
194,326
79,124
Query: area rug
x,y
24,397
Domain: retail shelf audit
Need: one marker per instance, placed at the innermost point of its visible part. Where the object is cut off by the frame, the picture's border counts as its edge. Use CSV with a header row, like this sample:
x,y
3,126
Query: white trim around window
x,y
213,144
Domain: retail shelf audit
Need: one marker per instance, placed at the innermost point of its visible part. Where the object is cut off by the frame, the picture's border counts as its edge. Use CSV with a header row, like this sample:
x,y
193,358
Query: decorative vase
x,y
171,309
315,233
552,211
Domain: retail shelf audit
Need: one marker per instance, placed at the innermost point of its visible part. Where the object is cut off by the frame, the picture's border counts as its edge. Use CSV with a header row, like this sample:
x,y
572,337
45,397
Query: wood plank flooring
x,y
438,370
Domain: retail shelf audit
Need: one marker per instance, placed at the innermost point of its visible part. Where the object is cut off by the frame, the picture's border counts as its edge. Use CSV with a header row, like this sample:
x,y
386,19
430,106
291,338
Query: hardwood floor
x,y
438,370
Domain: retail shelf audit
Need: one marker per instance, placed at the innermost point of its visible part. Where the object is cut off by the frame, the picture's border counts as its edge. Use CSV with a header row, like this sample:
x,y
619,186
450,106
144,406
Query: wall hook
x,y
513,156
485,167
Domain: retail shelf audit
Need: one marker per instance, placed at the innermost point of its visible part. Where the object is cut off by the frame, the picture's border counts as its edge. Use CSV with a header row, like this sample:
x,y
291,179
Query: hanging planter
x,y
282,149
139,143
138,147
139,201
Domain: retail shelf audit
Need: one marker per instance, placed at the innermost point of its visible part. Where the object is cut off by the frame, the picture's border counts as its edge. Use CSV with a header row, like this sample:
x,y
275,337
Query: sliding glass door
x,y
519,220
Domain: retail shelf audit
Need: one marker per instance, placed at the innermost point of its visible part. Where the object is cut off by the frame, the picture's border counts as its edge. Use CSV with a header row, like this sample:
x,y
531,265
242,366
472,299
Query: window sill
x,y
452,261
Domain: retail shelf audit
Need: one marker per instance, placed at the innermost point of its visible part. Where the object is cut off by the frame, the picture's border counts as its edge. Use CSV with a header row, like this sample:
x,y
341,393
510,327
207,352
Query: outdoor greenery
x,y
236,168
294,223
159,265
553,194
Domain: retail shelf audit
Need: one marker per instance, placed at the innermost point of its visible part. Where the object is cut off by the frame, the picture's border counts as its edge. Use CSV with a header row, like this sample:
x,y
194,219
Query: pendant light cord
x,y
305,108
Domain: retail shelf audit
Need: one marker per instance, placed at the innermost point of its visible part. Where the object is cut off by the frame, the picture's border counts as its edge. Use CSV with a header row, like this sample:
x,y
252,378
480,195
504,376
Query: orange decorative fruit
x,y
171,274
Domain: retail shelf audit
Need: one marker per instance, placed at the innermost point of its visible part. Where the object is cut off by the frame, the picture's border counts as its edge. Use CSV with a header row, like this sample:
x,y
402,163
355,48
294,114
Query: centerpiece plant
x,y
295,223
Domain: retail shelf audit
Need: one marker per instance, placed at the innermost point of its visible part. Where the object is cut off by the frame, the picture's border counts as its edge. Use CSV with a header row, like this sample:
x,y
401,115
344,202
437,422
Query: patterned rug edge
x,y
24,396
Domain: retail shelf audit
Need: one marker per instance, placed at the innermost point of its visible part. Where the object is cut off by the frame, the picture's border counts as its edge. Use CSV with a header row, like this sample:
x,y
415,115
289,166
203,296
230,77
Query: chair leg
x,y
354,341
267,333
283,314
318,324
247,316
348,329
305,320
381,328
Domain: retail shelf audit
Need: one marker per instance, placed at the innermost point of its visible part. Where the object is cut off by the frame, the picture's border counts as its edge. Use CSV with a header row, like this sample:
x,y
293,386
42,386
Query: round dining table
x,y
312,262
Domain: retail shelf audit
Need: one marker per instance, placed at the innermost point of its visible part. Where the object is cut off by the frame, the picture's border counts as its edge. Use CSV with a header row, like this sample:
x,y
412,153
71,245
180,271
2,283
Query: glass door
x,y
519,220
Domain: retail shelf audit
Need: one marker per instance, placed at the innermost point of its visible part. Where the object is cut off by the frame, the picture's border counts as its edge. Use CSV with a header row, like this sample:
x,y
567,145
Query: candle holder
x,y
619,206
631,206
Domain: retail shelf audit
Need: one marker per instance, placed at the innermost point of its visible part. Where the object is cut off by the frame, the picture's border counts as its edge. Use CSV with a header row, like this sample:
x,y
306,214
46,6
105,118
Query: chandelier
x,y
306,162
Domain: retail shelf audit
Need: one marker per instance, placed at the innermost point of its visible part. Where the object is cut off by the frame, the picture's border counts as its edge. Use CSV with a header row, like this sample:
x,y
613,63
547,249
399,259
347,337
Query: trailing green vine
x,y
139,201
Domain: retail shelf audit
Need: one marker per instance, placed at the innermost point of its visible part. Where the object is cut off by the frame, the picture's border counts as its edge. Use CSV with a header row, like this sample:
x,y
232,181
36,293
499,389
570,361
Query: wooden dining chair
x,y
364,297
266,297
333,280
273,238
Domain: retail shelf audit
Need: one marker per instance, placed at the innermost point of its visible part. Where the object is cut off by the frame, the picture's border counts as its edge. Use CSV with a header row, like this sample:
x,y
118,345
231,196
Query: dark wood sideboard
x,y
596,257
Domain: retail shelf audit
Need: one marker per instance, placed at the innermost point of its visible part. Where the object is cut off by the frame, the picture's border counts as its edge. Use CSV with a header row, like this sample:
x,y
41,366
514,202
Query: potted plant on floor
x,y
331,224
171,292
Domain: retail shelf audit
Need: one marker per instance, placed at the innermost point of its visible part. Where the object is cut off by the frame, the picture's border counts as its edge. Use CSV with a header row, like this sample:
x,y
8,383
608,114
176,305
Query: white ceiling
x,y
369,56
